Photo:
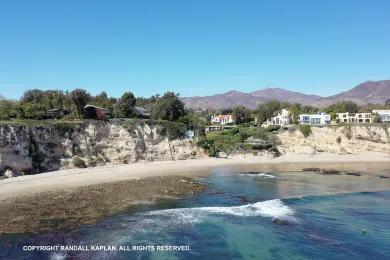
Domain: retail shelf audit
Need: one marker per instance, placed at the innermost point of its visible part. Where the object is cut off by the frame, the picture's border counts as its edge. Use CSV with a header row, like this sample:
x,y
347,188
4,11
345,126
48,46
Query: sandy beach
x,y
69,179
69,198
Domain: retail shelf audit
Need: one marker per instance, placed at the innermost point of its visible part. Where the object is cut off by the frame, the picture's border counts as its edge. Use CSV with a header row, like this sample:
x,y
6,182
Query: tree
x,y
266,110
80,98
10,109
168,107
342,107
32,110
53,99
376,118
387,102
241,114
125,105
33,95
295,110
226,111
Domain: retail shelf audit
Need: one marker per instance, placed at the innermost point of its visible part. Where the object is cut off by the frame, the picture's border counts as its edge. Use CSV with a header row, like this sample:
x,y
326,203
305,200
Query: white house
x,y
222,119
314,119
354,117
384,115
282,118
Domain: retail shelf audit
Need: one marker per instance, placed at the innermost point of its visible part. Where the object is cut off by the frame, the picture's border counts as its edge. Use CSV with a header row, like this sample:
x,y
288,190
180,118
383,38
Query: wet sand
x,y
75,178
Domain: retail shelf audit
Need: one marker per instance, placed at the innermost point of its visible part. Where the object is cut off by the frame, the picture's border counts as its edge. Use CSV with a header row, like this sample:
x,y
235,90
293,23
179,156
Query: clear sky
x,y
194,47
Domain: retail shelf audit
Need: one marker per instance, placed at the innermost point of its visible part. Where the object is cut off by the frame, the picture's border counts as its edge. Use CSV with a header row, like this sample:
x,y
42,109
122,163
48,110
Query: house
x,y
314,119
354,117
384,115
56,113
282,118
95,112
222,119
142,112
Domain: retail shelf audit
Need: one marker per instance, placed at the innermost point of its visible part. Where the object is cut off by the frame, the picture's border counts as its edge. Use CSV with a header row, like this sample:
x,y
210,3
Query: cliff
x,y
347,139
26,149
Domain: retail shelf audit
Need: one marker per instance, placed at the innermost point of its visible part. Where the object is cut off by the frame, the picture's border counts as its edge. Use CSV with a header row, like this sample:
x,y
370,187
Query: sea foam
x,y
262,175
266,175
269,208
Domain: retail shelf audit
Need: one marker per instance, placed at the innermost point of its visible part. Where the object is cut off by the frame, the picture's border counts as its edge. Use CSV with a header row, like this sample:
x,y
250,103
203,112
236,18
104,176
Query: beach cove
x,y
70,198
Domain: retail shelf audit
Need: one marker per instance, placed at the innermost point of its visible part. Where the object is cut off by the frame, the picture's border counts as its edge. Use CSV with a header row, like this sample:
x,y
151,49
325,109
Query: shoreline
x,y
67,180
69,198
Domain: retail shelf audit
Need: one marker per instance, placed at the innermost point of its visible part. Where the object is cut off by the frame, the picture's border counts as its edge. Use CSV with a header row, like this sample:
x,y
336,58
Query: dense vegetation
x,y
168,113
35,104
233,140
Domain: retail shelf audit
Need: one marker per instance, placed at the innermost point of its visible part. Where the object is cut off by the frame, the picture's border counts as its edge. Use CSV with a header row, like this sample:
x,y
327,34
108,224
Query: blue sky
x,y
193,47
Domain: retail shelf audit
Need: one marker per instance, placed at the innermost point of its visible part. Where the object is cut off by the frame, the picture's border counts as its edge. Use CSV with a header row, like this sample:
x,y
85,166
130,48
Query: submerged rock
x,y
311,169
353,173
243,199
280,221
330,172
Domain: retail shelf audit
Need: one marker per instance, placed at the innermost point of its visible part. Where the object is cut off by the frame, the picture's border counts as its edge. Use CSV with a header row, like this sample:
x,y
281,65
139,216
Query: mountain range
x,y
364,93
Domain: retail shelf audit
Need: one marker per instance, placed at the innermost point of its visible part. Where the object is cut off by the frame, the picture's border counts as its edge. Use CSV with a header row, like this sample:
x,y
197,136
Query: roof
x,y
101,108
55,110
222,116
318,114
381,111
142,111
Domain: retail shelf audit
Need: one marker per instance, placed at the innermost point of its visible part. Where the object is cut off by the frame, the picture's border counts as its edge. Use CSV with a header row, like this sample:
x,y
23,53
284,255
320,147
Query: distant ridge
x,y
364,93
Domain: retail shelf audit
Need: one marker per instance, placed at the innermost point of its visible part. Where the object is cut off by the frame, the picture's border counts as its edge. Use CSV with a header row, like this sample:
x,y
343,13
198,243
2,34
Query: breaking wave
x,y
261,174
266,175
270,208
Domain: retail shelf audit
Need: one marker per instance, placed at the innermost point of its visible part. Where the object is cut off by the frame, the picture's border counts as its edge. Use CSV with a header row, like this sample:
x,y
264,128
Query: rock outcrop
x,y
348,139
34,149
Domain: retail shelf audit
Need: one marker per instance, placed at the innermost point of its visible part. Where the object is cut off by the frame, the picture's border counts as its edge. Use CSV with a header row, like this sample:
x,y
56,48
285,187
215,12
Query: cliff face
x,y
29,149
337,139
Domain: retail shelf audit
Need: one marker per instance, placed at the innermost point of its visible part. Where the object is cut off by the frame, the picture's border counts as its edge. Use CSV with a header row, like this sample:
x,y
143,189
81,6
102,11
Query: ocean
x,y
240,215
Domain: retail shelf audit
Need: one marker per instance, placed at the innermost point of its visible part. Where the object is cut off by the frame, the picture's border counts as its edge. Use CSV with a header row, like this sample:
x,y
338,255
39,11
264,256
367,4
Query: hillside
x,y
367,92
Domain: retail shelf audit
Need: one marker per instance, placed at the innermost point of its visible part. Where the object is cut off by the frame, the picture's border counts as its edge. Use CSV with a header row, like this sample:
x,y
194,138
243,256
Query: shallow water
x,y
245,215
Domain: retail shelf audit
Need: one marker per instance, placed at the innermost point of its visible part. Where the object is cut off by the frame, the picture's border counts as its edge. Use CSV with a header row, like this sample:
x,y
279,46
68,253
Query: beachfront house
x,y
95,112
354,117
384,115
57,113
282,118
314,119
222,119
142,112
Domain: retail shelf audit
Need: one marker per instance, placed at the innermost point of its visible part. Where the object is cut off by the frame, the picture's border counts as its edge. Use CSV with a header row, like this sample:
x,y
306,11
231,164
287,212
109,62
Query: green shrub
x,y
79,163
305,130
233,140
273,128
172,130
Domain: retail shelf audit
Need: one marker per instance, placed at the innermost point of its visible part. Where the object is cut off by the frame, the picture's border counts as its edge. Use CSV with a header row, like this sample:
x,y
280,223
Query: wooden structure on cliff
x,y
95,112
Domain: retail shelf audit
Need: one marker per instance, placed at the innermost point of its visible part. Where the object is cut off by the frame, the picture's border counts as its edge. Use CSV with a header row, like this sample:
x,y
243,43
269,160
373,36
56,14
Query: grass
x,y
39,123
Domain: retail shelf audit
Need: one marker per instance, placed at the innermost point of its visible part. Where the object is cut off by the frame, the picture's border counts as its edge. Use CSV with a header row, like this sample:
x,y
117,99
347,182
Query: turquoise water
x,y
241,216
